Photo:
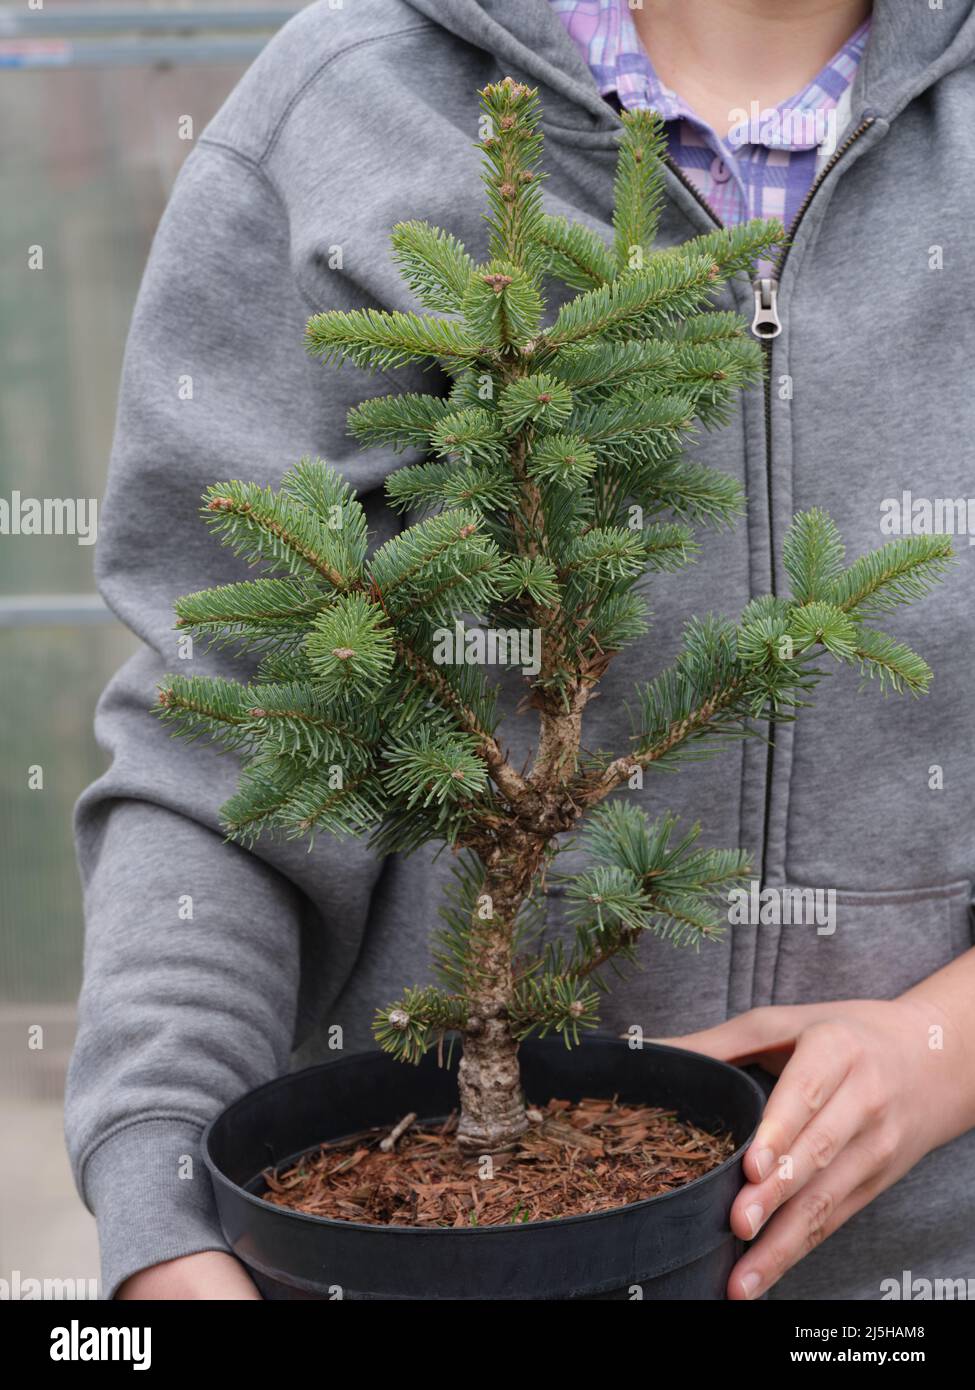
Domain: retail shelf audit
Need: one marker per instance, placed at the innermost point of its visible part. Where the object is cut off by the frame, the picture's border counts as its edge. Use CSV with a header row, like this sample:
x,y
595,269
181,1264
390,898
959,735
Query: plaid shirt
x,y
765,166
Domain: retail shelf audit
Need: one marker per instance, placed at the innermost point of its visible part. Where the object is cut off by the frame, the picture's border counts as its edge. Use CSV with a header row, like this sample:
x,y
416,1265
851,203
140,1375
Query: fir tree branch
x,y
293,719
502,306
401,421
552,1003
508,781
895,665
380,340
899,572
736,248
258,525
639,189
636,303
442,565
620,770
204,705
575,254
410,1027
512,150
604,366
434,264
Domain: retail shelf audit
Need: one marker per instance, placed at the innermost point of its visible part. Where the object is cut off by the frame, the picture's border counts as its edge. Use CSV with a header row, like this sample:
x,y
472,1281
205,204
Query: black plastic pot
x,y
675,1246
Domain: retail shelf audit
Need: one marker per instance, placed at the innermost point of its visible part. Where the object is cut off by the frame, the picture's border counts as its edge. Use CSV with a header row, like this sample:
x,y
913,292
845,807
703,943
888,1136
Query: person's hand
x,y
211,1274
866,1088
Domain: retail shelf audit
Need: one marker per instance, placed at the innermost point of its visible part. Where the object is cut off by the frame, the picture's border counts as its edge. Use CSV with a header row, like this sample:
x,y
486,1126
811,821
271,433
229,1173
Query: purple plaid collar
x,y
605,32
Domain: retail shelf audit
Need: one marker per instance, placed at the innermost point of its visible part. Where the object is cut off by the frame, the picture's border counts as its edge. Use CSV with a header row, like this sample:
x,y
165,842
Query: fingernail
x,y
763,1160
750,1283
754,1215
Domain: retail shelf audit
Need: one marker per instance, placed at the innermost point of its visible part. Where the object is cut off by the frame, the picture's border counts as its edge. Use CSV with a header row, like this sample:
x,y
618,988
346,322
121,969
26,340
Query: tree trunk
x,y
492,1105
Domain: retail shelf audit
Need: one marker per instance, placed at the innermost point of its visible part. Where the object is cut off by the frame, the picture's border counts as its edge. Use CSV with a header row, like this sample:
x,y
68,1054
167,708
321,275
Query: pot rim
x,y
217,1175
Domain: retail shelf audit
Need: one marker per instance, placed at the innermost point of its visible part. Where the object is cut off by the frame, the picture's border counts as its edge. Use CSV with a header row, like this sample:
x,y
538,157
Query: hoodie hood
x,y
529,43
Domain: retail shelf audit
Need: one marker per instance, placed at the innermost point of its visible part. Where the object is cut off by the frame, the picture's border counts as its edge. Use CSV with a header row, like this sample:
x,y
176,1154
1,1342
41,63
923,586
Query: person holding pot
x,y
210,969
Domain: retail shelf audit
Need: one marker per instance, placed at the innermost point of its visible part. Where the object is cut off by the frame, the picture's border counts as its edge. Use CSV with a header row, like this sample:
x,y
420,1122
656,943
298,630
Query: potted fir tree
x,y
554,483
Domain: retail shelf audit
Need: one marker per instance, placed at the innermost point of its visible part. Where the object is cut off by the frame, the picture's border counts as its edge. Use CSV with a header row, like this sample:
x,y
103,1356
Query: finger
x,y
807,1220
812,1075
758,1030
818,1145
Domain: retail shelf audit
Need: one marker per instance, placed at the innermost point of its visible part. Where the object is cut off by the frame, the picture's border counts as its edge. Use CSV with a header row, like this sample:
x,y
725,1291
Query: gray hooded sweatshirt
x,y
210,969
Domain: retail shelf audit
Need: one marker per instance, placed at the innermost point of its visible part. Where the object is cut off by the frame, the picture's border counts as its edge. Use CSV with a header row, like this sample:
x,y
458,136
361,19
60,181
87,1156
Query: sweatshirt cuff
x,y
151,1195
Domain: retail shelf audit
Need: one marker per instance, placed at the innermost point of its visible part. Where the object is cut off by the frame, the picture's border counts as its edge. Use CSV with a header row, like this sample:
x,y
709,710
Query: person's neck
x,y
719,55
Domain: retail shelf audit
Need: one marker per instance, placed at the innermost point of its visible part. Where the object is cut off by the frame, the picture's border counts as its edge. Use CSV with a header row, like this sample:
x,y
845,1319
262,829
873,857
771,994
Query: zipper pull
x,y
766,323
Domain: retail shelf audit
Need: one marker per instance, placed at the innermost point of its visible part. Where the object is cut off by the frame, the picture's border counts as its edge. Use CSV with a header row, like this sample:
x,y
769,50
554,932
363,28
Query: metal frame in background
x,y
106,36
126,36
55,610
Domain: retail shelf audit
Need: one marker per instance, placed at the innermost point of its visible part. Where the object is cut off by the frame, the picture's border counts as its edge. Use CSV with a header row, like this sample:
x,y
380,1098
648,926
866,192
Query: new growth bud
x,y
497,282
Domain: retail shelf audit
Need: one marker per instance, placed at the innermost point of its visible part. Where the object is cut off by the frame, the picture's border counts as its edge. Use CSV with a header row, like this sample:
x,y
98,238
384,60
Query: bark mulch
x,y
576,1158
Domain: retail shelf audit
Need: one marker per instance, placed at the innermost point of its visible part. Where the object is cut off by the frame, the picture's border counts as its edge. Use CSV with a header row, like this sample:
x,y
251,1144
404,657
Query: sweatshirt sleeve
x,y
192,944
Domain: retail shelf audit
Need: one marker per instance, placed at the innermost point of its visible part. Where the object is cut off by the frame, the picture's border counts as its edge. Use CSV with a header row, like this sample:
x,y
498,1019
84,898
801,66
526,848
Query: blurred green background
x,y
90,109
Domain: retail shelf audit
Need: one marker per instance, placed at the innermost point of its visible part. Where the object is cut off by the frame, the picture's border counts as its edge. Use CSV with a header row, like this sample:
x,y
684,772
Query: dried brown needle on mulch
x,y
576,1158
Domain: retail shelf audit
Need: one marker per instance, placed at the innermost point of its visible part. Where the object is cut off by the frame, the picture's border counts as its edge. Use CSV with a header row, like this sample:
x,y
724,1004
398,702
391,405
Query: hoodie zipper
x,y
766,325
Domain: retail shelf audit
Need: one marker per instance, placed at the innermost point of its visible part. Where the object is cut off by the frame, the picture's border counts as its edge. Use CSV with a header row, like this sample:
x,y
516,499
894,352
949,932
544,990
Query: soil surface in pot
x,y
576,1158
